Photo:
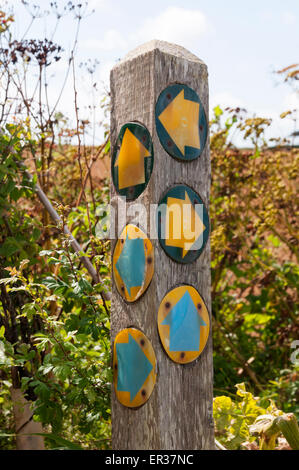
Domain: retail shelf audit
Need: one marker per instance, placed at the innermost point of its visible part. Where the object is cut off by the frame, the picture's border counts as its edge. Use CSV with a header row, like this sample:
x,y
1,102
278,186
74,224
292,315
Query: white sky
x,y
241,42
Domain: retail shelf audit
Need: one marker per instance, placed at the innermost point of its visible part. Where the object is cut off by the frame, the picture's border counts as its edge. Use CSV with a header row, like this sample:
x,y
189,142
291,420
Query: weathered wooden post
x,y
161,305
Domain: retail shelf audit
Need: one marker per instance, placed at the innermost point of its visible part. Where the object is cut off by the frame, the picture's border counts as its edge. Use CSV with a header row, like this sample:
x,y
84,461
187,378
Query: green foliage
x,y
255,275
233,417
248,422
57,336
6,414
54,322
68,360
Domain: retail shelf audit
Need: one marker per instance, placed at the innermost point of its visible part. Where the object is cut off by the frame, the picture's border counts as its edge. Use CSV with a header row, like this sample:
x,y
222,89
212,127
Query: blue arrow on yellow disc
x,y
183,224
134,367
181,122
132,160
133,263
183,324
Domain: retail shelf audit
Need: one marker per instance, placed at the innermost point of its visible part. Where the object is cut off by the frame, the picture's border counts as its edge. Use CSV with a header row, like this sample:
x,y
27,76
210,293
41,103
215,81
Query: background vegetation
x,y
54,321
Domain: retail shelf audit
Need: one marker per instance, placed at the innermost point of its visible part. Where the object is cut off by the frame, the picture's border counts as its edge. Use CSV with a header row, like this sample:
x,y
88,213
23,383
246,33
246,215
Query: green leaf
x,y
2,331
107,147
274,240
82,286
35,234
34,179
45,253
217,111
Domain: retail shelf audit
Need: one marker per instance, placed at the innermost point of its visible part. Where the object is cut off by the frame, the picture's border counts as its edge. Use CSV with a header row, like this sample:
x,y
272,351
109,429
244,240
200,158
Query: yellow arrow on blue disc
x,y
183,324
181,122
132,160
183,224
134,366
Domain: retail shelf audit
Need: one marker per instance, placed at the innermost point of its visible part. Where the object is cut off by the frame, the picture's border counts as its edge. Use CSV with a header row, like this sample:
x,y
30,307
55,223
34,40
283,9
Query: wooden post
x,y
27,430
178,414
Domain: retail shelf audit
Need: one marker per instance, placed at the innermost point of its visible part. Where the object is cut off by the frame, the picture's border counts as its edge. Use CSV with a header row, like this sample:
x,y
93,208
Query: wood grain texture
x,y
178,414
26,428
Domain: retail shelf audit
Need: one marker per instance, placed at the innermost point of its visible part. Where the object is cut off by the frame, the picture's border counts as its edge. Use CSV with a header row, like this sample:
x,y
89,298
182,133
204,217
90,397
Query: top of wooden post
x,y
164,47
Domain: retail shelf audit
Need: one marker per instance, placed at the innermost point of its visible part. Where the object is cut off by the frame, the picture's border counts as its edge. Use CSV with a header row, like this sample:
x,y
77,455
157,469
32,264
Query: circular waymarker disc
x,y
132,160
183,324
134,367
183,224
181,122
133,263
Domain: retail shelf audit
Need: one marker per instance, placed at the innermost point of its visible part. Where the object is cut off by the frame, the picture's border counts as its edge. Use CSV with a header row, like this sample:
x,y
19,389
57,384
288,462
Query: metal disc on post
x,y
133,263
134,368
132,160
183,324
183,224
181,122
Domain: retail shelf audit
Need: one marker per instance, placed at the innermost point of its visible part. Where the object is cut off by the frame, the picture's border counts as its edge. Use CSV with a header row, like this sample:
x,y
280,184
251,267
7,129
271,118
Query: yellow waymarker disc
x,y
183,324
134,367
133,263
